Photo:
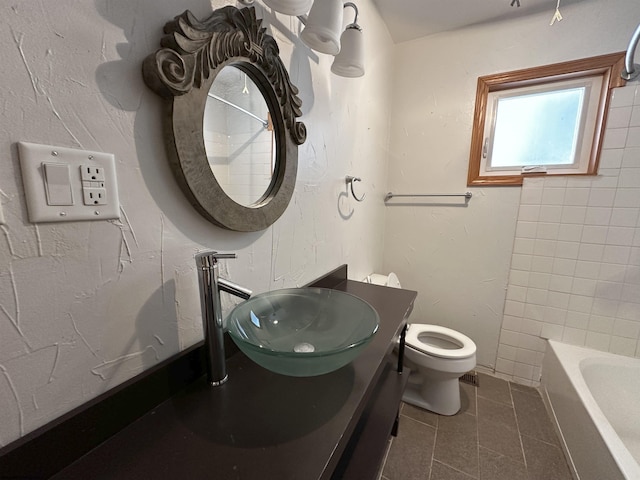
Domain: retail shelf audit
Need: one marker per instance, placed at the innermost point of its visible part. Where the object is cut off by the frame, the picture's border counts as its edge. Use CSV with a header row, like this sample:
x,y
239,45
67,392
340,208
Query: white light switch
x,y
57,184
65,184
2,221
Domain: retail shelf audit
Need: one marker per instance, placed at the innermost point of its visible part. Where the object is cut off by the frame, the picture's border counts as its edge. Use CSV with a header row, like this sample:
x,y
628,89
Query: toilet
x,y
438,356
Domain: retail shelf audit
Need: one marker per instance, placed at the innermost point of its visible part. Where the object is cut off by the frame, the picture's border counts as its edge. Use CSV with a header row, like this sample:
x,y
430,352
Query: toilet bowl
x,y
438,357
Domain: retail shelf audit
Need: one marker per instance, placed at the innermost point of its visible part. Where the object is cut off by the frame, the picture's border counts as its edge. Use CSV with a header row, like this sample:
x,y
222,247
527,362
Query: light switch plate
x,y
2,221
57,184
33,157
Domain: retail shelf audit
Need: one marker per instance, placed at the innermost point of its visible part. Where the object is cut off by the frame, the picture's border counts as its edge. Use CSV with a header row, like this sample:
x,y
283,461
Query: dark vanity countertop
x,y
257,425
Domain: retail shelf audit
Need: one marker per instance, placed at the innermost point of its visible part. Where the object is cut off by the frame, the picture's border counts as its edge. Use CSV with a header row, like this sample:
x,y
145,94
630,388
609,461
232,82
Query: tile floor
x,y
502,432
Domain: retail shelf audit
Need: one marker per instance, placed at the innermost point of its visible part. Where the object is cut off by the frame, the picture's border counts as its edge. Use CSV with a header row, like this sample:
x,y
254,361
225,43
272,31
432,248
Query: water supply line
x,y
631,70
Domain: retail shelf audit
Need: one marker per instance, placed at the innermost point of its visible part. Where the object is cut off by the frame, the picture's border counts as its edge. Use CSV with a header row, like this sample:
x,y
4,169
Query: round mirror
x,y
230,121
238,137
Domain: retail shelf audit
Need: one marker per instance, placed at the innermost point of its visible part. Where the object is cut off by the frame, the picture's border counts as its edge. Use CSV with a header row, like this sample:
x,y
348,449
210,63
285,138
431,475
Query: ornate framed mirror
x,y
230,116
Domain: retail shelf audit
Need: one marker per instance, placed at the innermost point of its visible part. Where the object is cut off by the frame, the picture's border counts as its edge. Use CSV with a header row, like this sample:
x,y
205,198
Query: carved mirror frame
x,y
182,72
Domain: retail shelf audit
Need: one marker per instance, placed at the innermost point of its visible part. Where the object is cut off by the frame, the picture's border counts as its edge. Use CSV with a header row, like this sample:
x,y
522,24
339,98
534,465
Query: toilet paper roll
x,y
390,280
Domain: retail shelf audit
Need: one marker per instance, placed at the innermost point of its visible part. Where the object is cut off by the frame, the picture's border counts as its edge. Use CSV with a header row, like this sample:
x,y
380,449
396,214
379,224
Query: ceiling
x,y
410,19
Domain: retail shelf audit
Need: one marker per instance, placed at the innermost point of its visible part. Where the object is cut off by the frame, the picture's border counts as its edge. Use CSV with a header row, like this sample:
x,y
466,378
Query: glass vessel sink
x,y
302,332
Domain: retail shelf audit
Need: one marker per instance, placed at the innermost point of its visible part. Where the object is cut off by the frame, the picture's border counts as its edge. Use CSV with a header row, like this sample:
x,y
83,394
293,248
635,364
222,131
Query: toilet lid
x,y
439,341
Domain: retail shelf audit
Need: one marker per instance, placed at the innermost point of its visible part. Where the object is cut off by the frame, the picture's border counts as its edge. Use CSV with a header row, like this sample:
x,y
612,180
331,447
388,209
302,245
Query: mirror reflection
x,y
238,137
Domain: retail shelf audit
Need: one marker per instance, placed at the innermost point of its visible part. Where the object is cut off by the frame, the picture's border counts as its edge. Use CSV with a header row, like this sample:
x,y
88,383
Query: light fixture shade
x,y
290,7
350,61
324,24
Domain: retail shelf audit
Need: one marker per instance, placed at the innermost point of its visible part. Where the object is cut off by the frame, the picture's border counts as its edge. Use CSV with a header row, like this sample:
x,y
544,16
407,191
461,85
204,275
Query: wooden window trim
x,y
609,66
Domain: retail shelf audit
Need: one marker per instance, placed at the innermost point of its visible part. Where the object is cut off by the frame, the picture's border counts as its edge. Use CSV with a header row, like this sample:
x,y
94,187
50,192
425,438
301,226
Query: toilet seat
x,y
466,347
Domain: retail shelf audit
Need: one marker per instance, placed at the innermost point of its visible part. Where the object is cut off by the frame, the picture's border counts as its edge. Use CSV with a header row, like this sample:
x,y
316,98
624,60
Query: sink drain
x,y
304,348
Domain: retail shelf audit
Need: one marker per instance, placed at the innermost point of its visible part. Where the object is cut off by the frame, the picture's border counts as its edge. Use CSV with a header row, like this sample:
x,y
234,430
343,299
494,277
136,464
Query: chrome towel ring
x,y
350,181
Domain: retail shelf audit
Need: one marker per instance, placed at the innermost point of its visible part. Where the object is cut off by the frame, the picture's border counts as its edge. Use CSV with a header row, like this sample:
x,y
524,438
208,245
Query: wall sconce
x,y
323,27
323,32
350,61
290,7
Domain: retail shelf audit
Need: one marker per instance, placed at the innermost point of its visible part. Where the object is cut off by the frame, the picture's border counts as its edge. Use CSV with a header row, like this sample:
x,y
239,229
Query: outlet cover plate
x,y
32,158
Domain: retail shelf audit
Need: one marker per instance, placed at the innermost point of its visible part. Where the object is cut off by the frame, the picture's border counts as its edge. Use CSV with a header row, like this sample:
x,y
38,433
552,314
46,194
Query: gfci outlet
x,y
66,184
90,173
94,196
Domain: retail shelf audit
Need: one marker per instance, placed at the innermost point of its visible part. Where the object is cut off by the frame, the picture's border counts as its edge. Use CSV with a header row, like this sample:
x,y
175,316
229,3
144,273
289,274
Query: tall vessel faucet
x,y
210,286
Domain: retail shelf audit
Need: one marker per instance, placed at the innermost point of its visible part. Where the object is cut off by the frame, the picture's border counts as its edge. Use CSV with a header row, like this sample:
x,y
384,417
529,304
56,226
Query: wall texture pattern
x,y
87,305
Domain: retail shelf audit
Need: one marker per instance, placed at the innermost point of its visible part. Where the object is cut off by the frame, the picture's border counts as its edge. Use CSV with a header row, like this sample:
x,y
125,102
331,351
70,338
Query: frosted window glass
x,y
538,129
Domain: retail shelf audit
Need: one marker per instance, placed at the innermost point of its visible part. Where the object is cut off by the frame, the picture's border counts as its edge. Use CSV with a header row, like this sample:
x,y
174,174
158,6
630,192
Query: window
x,y
542,121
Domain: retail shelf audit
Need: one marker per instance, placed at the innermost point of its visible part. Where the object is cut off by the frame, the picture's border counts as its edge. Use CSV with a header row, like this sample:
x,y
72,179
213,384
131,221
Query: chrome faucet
x,y
210,286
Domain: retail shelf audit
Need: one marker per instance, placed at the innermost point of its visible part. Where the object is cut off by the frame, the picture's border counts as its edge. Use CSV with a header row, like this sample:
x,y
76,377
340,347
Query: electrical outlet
x,y
94,196
92,173
90,176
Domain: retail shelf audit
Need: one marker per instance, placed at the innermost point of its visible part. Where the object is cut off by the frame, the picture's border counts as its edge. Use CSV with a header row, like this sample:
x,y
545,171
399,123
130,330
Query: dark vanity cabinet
x,y
168,423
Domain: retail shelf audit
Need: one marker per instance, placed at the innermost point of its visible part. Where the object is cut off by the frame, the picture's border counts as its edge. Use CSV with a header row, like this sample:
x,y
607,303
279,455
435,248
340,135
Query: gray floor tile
x,y
495,466
411,451
440,471
494,389
420,414
544,461
532,417
496,413
457,443
503,432
501,440
497,429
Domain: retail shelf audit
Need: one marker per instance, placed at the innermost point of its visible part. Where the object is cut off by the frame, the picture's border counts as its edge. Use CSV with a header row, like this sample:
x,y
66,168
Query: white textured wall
x,y
575,269
458,258
86,305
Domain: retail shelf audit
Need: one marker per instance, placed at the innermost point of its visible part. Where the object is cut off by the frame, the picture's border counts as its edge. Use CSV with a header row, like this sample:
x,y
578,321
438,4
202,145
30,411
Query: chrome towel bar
x,y
391,195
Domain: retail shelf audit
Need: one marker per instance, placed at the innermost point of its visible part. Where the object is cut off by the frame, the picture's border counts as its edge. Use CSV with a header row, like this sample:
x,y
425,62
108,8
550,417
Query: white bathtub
x,y
595,399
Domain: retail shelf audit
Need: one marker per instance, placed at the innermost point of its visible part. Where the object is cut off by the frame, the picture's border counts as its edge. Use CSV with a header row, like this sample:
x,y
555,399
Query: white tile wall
x,y
575,269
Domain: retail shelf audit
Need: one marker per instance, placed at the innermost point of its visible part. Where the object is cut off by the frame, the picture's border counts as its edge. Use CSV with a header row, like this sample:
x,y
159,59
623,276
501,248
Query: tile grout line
x,y
418,421
458,470
384,460
513,403
433,449
384,464
475,391
540,440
